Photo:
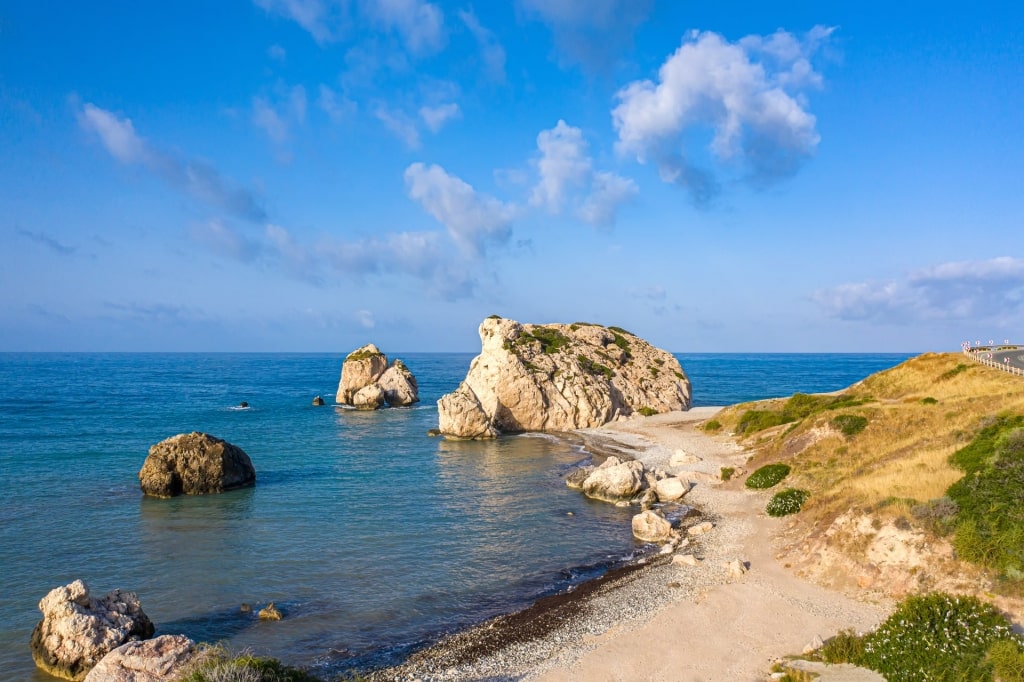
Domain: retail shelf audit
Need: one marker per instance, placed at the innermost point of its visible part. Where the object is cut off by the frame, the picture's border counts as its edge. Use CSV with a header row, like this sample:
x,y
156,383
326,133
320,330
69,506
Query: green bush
x,y
713,425
953,372
938,515
990,497
929,401
846,647
726,473
767,476
551,340
595,368
758,420
219,667
849,424
786,502
936,637
647,411
1007,660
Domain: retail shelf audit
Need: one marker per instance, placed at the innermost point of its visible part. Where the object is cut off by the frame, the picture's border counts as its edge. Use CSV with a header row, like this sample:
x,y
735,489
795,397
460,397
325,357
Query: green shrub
x,y
936,637
551,340
219,667
595,368
712,425
767,476
786,502
953,372
846,647
621,342
929,401
1007,660
990,497
726,473
938,515
620,330
849,424
758,420
647,411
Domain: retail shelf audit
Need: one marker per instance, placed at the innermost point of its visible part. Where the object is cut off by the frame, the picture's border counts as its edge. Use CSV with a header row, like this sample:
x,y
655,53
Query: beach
x,y
658,620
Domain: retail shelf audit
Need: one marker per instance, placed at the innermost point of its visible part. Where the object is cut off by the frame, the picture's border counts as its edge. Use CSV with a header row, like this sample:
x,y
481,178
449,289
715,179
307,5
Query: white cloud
x,y
492,54
398,123
990,290
744,91
419,23
472,219
336,106
366,319
591,33
225,241
117,134
323,19
277,53
193,177
566,175
436,117
277,119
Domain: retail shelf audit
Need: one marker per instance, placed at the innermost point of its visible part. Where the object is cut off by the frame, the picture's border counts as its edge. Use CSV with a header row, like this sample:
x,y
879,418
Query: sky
x,y
314,175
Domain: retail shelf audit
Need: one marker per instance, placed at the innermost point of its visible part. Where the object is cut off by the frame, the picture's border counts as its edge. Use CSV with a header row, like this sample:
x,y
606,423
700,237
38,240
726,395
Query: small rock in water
x,y
271,612
245,608
318,401
434,433
243,404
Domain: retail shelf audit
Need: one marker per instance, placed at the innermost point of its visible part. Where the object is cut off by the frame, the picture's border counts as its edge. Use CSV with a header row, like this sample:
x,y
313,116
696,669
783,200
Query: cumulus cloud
x,y
965,290
436,117
472,219
591,33
335,105
193,177
401,125
567,176
749,93
224,240
276,118
325,20
366,319
492,54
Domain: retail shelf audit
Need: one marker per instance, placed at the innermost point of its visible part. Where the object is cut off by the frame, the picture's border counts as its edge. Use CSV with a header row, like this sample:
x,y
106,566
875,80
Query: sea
x,y
373,538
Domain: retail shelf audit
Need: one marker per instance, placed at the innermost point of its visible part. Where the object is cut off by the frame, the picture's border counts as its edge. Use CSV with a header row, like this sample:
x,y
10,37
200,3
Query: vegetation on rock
x,y
713,425
786,502
216,665
849,424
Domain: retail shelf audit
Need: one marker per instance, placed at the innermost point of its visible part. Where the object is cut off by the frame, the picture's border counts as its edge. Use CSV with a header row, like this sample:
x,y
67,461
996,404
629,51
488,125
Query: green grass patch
x,y
799,406
786,502
551,340
219,667
647,411
494,317
621,342
849,424
679,375
929,401
712,425
620,330
767,476
845,647
1007,659
726,473
990,497
753,421
362,355
953,372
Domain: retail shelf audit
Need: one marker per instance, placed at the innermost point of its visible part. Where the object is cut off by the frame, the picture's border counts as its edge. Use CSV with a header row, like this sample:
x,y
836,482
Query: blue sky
x,y
312,175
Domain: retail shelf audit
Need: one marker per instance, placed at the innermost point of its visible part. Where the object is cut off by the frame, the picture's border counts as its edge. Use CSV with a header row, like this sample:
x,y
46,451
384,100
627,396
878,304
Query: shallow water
x,y
370,536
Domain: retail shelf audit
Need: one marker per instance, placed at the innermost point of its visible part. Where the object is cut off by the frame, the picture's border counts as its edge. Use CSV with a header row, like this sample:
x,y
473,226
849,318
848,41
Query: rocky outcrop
x,y
559,377
195,464
368,383
76,631
615,480
650,526
153,660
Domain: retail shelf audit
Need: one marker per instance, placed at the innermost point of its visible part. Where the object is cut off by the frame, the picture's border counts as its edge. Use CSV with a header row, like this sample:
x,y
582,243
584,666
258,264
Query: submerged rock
x,y
559,377
195,464
270,612
154,660
76,631
318,401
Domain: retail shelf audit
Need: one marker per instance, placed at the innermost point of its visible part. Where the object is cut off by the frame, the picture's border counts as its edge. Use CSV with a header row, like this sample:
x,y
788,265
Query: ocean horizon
x,y
373,538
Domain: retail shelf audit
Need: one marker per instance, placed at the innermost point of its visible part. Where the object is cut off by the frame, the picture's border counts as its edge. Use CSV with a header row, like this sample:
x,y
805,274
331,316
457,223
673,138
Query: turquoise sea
x,y
373,538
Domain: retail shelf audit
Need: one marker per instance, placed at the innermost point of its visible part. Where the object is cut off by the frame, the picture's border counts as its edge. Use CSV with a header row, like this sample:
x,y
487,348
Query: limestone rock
x,y
684,560
195,464
813,645
318,401
77,631
671,489
560,377
369,398
700,528
460,415
614,483
651,527
736,568
648,499
578,475
362,367
270,612
153,660
400,387
682,458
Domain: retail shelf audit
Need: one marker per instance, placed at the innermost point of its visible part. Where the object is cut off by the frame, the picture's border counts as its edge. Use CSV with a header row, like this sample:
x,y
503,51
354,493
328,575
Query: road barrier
x,y
979,356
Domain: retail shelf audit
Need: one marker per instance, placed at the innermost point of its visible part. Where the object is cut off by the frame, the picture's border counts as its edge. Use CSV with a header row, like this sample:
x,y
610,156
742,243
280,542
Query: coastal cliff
x,y
559,377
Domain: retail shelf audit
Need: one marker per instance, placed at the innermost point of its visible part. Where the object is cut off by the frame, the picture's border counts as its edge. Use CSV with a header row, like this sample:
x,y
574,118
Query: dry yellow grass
x,y
921,412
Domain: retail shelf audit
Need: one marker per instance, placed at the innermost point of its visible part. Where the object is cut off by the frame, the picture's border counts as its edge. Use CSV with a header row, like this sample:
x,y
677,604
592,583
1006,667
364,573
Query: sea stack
x,y
368,382
559,377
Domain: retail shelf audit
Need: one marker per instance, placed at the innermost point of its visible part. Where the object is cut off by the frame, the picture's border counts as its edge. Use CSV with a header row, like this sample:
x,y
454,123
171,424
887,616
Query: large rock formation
x,y
195,464
367,382
162,658
77,631
559,377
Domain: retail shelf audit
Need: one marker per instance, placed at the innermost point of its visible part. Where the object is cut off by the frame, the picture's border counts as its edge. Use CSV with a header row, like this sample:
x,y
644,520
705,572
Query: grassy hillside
x,y
884,446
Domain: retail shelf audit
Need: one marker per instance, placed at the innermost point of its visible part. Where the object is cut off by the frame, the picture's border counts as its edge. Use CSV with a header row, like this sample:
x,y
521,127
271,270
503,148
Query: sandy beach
x,y
664,621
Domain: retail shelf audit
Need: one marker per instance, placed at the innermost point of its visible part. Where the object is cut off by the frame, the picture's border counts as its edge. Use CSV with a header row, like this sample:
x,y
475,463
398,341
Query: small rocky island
x,y
195,464
559,377
368,382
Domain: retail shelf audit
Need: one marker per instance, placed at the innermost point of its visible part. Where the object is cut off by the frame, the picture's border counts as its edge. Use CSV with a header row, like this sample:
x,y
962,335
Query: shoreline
x,y
654,620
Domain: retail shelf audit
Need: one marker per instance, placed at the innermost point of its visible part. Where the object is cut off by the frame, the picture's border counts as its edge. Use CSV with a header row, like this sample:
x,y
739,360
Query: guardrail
x,y
978,355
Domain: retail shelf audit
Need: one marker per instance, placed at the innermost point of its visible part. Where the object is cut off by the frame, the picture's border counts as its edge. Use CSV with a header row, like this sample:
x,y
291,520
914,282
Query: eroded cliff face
x,y
559,377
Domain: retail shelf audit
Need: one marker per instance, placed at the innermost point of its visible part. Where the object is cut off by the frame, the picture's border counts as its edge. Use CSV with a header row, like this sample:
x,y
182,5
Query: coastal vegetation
x,y
217,665
786,502
767,476
935,636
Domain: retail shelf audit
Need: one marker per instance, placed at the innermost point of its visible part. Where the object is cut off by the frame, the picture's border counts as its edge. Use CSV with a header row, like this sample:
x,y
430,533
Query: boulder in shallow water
x,y
154,660
671,489
650,526
369,398
460,415
318,401
76,631
195,464
270,612
615,483
400,387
